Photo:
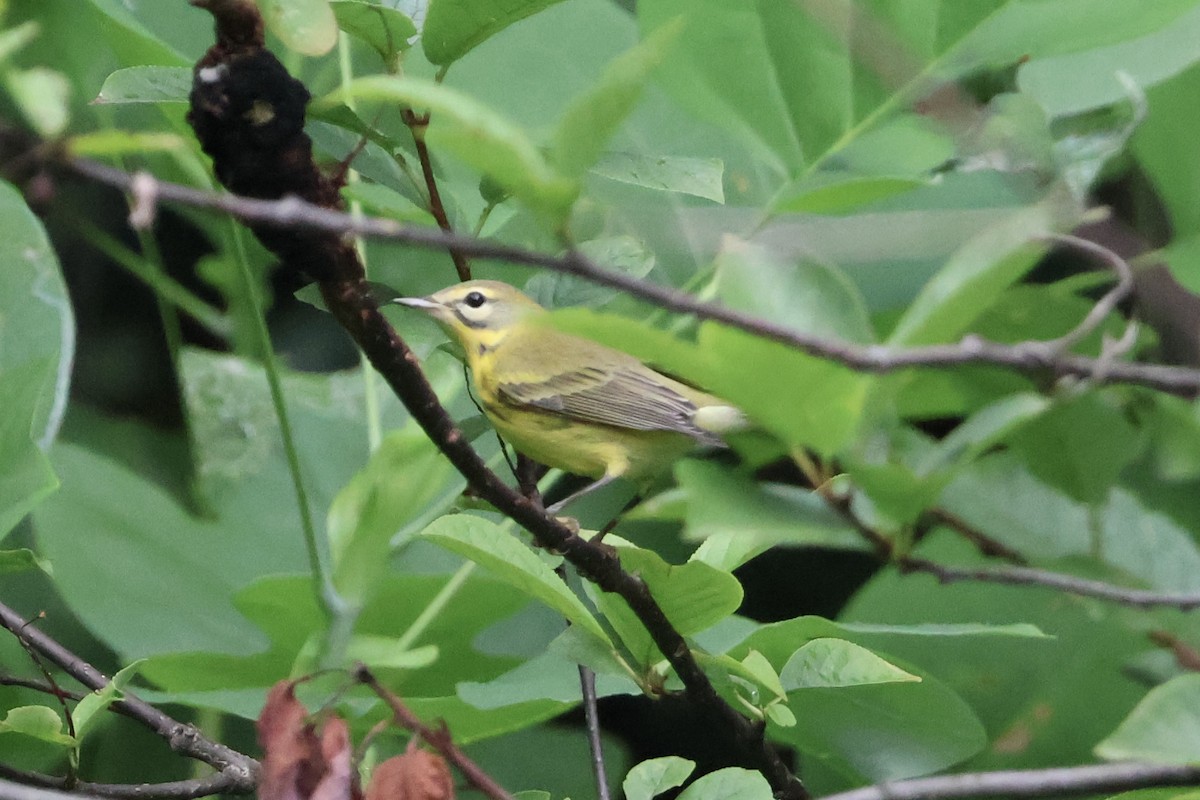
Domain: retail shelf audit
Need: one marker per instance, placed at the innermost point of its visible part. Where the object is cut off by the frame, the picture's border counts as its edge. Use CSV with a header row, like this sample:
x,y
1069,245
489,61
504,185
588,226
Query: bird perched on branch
x,y
569,402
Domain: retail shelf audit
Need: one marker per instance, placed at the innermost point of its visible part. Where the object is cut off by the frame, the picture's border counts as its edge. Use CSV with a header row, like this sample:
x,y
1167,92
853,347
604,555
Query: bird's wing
x,y
627,395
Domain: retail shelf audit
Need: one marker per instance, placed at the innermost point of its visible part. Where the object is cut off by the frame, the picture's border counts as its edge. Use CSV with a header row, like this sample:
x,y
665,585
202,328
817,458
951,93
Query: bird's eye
x,y
475,299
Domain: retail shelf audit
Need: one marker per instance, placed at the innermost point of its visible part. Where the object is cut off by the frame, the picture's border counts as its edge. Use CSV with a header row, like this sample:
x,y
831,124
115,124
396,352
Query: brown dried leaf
x,y
415,775
297,765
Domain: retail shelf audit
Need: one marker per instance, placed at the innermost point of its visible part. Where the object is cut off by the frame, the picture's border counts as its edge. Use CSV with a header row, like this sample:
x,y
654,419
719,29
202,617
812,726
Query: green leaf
x,y
38,722
453,27
498,551
306,26
624,254
654,776
973,277
739,518
837,194
804,400
146,85
386,29
93,703
700,177
828,662
37,340
21,560
474,132
384,201
593,117
731,783
384,652
1160,145
693,596
406,481
1164,728
115,143
44,97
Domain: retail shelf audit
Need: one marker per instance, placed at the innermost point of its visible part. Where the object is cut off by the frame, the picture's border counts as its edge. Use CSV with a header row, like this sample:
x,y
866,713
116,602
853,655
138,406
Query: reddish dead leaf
x,y
297,765
415,775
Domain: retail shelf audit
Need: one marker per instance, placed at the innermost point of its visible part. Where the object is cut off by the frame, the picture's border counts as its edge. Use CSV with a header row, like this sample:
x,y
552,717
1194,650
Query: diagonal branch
x,y
237,773
291,213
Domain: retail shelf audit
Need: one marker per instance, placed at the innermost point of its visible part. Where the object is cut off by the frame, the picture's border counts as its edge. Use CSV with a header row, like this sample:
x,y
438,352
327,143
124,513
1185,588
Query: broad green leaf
x,y
1072,83
1164,728
114,143
306,26
803,400
838,194
475,133
1160,146
21,560
44,97
592,119
739,518
623,254
828,662
731,783
973,277
501,553
700,177
39,722
385,505
16,37
1079,446
149,84
693,596
453,27
386,29
93,703
384,201
37,341
132,41
654,776
385,652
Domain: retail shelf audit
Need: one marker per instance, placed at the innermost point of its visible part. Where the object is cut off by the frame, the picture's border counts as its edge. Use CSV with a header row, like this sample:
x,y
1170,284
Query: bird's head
x,y
475,310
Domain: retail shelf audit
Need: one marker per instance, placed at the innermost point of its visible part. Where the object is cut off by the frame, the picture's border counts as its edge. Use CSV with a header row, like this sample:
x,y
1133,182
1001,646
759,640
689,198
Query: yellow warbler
x,y
569,402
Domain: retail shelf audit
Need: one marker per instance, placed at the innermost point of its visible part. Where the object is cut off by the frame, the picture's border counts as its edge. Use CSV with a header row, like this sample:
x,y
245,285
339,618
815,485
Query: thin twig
x,y
1027,357
1030,576
591,716
169,790
1106,304
1030,783
417,125
439,739
983,543
237,773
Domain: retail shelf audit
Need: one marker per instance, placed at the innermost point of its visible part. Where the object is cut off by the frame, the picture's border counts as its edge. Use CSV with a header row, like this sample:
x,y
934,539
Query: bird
x,y
569,402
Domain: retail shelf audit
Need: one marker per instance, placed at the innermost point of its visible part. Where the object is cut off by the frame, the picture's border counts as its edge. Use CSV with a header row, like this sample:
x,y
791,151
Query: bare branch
x,y
1030,576
1106,304
1030,783
1026,357
417,125
172,790
237,774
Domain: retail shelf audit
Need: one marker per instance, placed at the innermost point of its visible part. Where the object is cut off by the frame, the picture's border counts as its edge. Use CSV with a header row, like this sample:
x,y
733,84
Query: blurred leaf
x,y
1164,728
384,201
837,194
500,552
146,85
828,662
384,652
654,776
97,701
385,505
44,96
386,29
21,560
306,26
701,177
1079,446
802,399
592,118
114,143
739,518
731,783
623,254
453,27
475,133
37,342
38,722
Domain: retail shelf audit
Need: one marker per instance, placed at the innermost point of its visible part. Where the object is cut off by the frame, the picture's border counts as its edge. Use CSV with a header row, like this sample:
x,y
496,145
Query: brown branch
x,y
439,739
983,543
1030,576
1059,781
417,125
237,773
1026,357
170,790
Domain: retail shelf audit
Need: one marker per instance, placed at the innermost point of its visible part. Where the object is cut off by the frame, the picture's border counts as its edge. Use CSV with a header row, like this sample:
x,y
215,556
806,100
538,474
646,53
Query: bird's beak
x,y
423,303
